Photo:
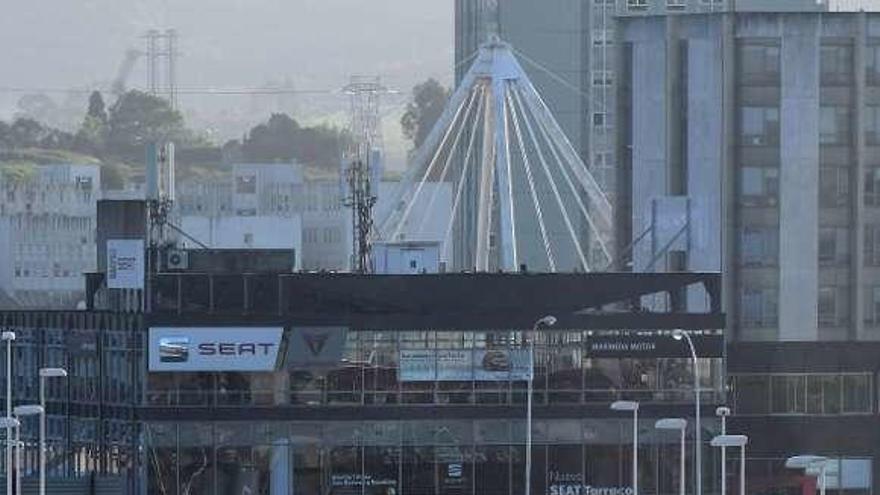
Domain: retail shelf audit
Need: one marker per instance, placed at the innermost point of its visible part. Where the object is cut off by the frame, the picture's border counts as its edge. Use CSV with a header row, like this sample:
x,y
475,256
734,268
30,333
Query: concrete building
x,y
271,206
763,124
749,142
47,240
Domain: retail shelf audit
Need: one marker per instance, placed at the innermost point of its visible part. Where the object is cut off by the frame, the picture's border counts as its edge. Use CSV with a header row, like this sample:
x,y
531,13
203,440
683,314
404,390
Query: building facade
x,y
747,145
271,206
47,234
401,384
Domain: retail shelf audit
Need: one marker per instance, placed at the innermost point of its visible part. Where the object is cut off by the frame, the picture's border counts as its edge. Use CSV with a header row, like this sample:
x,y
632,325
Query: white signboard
x,y
125,264
214,348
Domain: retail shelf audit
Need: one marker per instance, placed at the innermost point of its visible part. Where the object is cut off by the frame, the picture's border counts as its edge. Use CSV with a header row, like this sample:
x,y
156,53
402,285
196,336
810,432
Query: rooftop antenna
x,y
364,168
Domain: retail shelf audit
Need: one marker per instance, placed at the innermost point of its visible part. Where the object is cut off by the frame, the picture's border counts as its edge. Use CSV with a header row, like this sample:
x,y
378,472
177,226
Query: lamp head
x,y
7,336
671,424
722,411
804,461
27,410
53,372
678,334
624,405
730,441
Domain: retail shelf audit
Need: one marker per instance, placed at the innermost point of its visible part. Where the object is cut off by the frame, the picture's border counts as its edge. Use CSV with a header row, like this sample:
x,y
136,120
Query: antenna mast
x,y
364,164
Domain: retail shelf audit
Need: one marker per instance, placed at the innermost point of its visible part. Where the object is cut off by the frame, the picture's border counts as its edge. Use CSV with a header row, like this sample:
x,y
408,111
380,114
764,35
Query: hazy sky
x,y
315,44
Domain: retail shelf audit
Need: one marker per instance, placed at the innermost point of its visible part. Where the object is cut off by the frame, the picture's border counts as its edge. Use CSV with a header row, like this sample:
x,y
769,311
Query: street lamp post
x,y
9,423
627,405
723,412
45,373
806,462
680,425
8,337
548,321
679,334
20,412
740,441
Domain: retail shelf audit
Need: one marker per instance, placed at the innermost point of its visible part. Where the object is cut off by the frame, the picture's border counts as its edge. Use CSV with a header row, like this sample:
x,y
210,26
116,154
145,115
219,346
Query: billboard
x,y
214,348
491,365
125,264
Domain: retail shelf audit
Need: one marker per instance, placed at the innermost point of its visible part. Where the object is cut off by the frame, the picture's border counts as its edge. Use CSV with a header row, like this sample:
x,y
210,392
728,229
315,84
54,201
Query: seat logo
x,y
174,349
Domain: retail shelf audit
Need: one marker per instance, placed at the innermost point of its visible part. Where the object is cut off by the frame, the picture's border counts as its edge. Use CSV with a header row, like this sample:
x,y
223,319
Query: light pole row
x,y
12,421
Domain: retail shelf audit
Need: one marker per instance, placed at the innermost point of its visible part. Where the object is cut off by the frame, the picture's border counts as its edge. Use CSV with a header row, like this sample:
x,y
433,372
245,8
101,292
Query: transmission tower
x,y
162,81
364,163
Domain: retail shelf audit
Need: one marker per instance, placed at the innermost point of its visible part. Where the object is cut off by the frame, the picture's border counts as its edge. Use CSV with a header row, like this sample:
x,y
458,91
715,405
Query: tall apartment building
x,y
47,239
749,140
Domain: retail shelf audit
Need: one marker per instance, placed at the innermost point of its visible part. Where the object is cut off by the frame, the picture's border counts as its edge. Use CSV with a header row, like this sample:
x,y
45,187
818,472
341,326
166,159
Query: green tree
x,y
138,118
27,133
97,109
428,100
274,140
92,134
281,138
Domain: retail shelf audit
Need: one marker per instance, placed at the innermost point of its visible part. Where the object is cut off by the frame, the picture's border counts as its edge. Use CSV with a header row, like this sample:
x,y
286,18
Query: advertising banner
x,y
214,348
419,365
454,365
501,365
125,264
449,365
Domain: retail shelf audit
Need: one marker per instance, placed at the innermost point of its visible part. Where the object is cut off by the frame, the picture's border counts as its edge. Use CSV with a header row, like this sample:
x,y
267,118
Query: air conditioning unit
x,y
176,259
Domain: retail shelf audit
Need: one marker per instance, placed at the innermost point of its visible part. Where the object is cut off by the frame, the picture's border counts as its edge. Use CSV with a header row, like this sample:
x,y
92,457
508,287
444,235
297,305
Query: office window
x,y
246,184
603,37
872,306
872,186
856,393
759,62
760,308
603,78
832,306
788,394
760,246
833,186
833,245
751,394
836,64
636,4
872,125
872,244
676,4
759,186
600,119
823,394
872,64
759,126
835,125
602,159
